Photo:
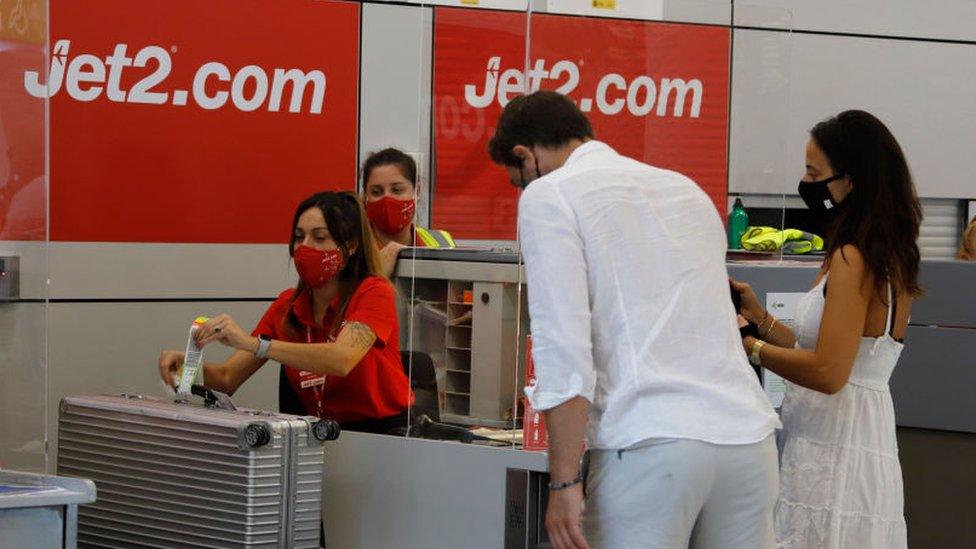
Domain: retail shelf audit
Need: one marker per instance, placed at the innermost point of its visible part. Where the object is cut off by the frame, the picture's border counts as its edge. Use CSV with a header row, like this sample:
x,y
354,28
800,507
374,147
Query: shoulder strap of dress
x,y
892,308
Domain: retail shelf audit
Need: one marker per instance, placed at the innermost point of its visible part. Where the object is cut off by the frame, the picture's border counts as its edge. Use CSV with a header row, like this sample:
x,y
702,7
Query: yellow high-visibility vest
x,y
433,238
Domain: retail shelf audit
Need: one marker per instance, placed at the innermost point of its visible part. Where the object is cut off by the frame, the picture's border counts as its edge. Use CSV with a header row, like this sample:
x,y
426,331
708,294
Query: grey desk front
x,y
934,383
41,511
383,491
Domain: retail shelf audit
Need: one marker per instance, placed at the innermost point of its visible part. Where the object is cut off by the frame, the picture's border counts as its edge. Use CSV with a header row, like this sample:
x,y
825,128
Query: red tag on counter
x,y
534,432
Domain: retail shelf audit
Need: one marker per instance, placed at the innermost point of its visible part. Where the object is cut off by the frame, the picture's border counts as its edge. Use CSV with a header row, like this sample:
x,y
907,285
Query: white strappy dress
x,y
840,478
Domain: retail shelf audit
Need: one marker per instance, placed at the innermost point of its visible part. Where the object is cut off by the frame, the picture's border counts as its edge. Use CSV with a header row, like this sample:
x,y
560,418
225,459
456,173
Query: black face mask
x,y
817,197
523,183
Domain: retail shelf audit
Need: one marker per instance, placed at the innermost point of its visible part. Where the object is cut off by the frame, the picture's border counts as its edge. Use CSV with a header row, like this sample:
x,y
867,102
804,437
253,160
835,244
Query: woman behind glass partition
x,y
390,187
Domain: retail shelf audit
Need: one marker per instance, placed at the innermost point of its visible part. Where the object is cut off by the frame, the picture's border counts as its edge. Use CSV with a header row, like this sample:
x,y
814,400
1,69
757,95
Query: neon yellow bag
x,y
792,241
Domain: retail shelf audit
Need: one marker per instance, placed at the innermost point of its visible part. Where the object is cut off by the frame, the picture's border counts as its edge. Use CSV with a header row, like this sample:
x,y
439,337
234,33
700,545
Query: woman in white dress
x,y
840,478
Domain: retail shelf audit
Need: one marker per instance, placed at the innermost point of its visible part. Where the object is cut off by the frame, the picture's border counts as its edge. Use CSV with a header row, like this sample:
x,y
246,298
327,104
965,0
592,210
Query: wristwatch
x,y
264,344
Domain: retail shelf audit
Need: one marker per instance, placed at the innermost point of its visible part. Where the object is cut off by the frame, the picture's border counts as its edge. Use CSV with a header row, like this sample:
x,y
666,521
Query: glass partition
x,y
178,160
763,172
23,235
459,288
395,113
184,178
676,85
653,78
671,84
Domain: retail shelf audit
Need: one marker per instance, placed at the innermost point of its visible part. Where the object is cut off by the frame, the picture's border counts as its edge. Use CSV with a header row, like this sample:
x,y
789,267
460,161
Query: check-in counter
x,y
41,510
386,491
465,308
934,383
383,491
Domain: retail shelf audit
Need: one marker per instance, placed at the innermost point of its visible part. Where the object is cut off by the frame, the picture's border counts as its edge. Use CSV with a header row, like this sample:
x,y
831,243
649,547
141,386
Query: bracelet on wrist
x,y
755,357
766,317
556,486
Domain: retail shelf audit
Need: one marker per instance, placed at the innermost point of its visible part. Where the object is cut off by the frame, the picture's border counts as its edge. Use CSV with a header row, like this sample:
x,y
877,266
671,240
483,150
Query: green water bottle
x,y
738,224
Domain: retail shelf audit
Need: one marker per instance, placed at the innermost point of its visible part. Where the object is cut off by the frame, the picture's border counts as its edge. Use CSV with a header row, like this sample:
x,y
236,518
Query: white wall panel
x,y
634,9
923,91
711,12
32,266
714,12
510,5
395,86
759,128
22,386
944,19
111,270
141,270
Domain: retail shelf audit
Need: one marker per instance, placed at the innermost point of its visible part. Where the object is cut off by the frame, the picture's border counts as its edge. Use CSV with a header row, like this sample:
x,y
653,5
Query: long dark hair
x,y
881,215
345,218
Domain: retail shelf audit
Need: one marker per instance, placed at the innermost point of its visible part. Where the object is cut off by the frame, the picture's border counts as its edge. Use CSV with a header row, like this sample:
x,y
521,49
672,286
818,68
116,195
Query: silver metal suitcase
x,y
176,474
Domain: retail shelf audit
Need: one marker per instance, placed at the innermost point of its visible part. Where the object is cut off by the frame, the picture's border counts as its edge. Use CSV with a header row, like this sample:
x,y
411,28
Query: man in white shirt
x,y
635,342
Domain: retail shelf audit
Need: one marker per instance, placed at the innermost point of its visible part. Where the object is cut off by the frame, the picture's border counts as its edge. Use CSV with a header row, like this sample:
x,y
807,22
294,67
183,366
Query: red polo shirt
x,y
377,387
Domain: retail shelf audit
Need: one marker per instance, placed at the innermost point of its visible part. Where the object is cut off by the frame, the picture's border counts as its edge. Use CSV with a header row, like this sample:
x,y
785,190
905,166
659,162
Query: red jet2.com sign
x,y
656,92
197,125
88,76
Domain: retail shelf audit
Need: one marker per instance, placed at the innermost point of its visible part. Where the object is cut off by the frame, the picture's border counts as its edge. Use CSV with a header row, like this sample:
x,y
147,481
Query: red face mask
x,y
390,215
316,267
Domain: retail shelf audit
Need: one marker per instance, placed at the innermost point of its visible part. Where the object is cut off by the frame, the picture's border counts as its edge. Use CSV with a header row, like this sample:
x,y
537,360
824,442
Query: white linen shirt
x,y
629,304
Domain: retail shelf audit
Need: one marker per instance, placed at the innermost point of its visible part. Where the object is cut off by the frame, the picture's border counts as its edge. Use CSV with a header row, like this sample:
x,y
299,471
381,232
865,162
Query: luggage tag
x,y
193,362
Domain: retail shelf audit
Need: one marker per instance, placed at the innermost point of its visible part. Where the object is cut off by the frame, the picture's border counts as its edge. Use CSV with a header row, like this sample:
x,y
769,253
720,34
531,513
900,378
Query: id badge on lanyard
x,y
315,382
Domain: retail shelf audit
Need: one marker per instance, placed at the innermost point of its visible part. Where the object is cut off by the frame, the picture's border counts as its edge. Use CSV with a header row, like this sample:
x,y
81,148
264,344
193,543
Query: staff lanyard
x,y
319,388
